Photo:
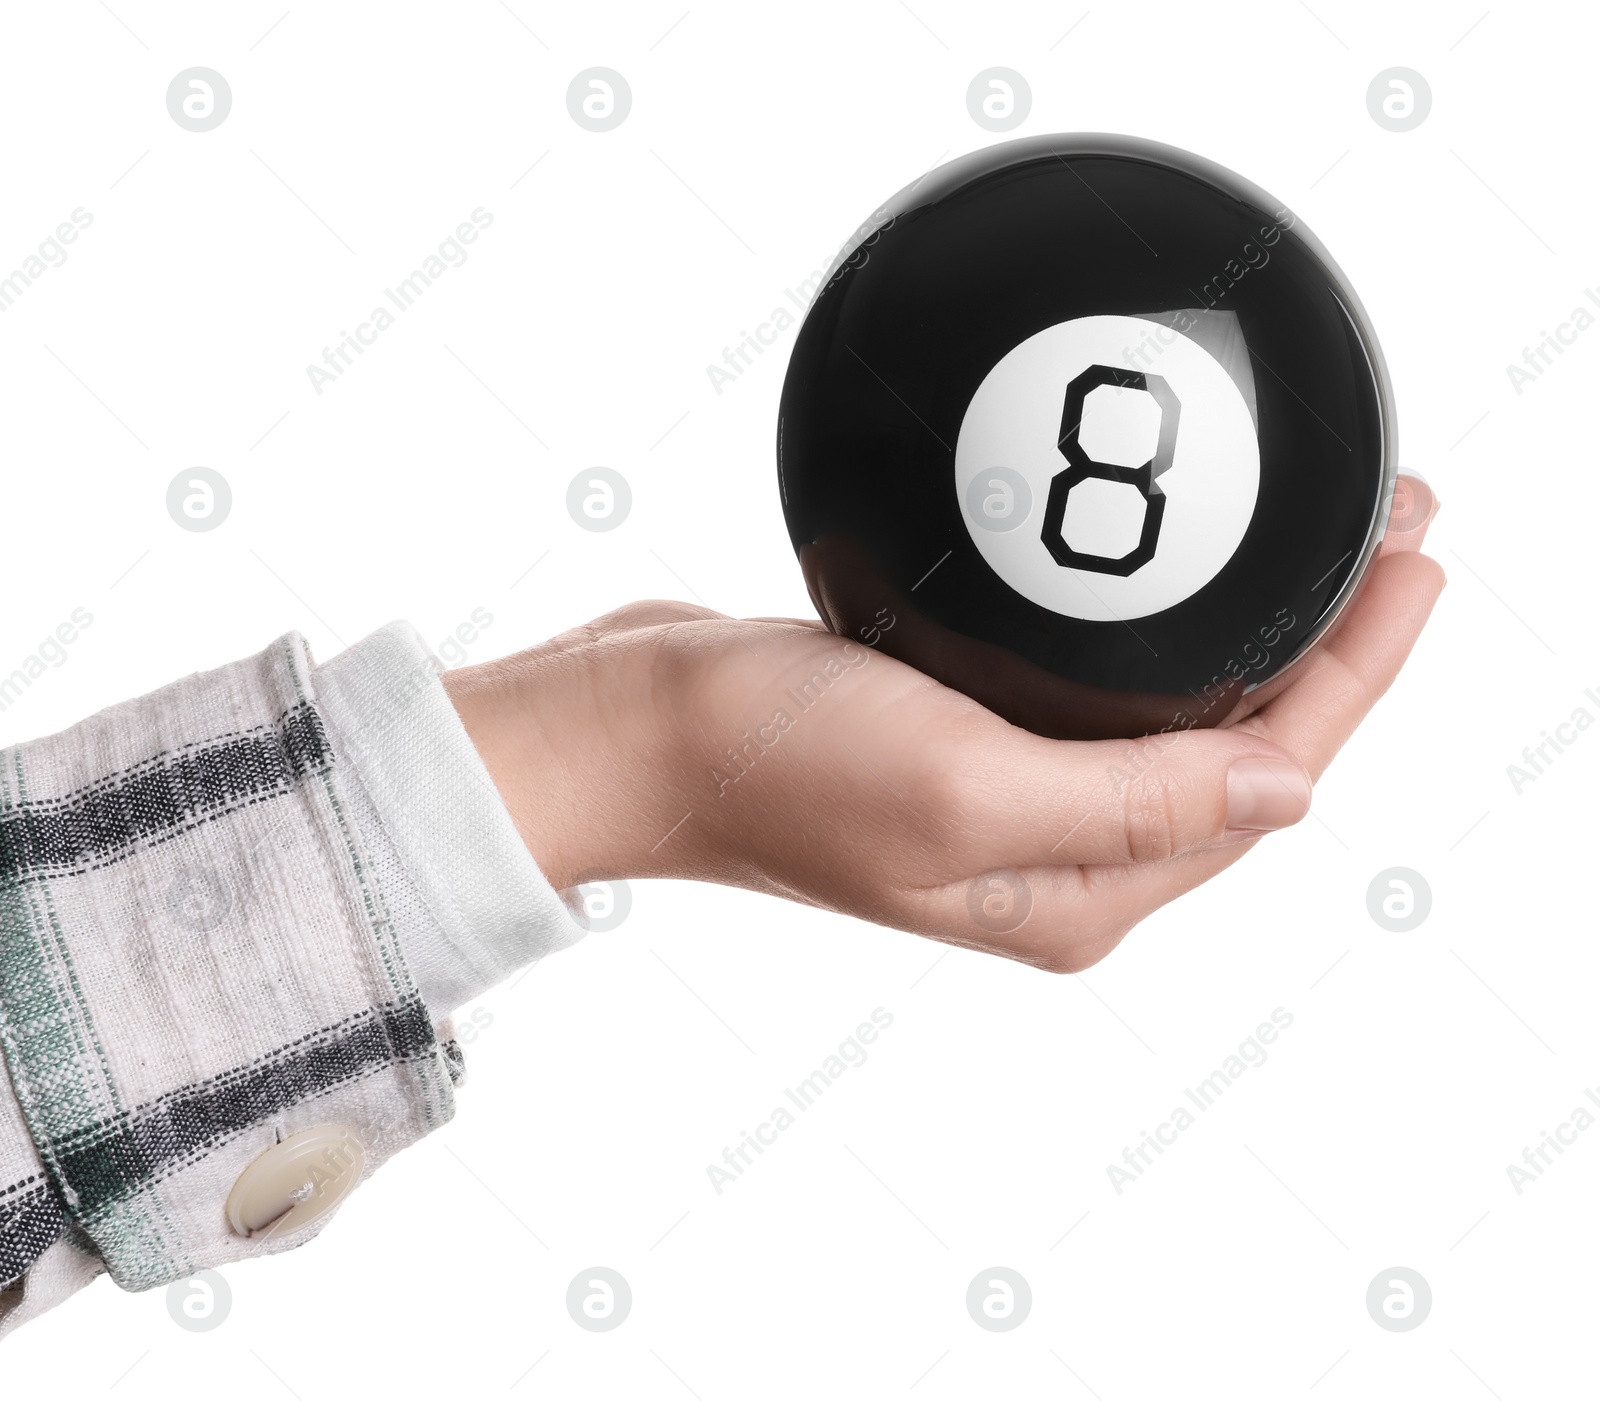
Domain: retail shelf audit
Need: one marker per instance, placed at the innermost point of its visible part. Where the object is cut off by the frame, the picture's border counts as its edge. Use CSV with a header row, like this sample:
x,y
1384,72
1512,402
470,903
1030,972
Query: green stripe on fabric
x,y
61,1072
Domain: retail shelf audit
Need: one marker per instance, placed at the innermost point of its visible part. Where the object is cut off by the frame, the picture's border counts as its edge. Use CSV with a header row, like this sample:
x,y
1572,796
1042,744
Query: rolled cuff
x,y
469,903
196,966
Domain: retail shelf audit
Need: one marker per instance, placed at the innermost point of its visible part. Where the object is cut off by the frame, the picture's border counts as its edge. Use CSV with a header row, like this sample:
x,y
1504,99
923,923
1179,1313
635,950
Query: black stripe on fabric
x,y
43,837
455,1060
116,1158
31,1221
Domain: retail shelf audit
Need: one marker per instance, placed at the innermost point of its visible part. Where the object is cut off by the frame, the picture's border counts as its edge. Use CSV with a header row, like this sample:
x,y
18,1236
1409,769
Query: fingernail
x,y
1266,794
1412,512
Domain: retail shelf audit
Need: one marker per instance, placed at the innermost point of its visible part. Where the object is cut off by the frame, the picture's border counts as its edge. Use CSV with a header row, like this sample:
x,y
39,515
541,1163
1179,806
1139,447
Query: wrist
x,y
578,759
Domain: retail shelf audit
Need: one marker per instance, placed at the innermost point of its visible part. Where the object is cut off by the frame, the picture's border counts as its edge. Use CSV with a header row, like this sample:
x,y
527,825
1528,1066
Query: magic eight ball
x,y
1090,429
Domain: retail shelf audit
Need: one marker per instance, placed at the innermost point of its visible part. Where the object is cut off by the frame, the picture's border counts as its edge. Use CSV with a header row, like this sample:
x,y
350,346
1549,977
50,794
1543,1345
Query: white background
x,y
1378,1131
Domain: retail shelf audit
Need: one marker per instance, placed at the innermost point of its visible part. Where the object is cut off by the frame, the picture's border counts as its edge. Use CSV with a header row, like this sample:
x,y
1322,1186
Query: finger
x,y
1411,512
1114,900
1337,684
1016,800
1077,916
1062,919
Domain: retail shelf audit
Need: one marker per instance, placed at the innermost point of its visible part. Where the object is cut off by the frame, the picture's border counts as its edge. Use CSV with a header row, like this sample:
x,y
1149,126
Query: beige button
x,y
297,1181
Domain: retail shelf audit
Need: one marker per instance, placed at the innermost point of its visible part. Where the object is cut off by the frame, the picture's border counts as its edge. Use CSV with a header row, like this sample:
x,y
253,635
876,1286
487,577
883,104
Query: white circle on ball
x,y
1015,421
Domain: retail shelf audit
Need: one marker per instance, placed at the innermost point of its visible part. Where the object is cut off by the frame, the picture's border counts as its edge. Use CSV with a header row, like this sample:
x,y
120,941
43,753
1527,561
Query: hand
x,y
666,740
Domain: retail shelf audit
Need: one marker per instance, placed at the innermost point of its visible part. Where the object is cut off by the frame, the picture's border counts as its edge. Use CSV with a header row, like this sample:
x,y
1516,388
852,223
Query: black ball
x,y
1090,429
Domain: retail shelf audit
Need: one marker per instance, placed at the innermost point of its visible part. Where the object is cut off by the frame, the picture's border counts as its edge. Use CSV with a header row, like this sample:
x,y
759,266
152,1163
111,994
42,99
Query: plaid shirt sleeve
x,y
234,909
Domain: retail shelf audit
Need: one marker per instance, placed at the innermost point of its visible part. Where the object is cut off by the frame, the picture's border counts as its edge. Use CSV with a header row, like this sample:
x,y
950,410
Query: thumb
x,y
1045,802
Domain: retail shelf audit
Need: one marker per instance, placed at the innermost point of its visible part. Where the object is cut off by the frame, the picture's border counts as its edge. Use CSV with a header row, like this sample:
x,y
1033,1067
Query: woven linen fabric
x,y
207,935
469,903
